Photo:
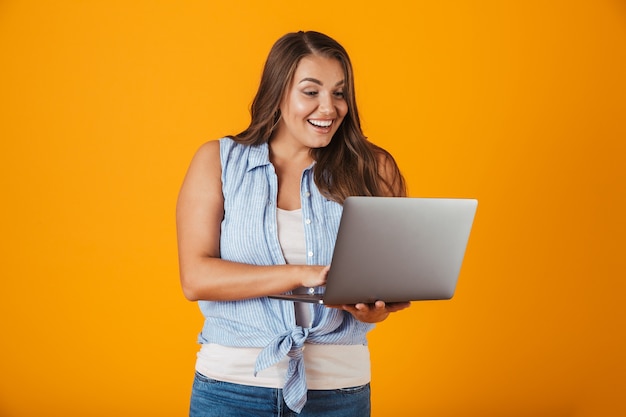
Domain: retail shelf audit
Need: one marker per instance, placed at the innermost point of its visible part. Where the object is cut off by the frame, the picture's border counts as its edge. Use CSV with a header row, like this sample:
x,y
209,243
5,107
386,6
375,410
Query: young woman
x,y
258,214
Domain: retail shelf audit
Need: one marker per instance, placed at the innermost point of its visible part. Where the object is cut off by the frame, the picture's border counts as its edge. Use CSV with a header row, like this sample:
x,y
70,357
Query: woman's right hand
x,y
315,276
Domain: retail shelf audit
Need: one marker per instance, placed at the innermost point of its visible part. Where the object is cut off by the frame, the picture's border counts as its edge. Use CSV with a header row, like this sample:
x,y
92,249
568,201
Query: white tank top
x,y
292,242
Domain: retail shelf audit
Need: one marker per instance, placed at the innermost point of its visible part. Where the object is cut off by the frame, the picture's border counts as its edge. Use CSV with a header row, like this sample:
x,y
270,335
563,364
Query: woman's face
x,y
314,105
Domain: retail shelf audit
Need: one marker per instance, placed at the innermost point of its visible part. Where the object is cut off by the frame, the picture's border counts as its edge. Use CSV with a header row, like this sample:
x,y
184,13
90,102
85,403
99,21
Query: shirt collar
x,y
259,155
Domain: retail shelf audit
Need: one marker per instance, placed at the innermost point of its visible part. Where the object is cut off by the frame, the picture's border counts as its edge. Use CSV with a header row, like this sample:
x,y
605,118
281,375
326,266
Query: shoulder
x,y
383,158
209,148
206,164
203,178
390,173
207,155
217,150
385,162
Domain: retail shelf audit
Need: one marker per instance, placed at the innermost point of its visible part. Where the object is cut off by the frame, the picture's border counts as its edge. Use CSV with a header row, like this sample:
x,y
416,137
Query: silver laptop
x,y
395,249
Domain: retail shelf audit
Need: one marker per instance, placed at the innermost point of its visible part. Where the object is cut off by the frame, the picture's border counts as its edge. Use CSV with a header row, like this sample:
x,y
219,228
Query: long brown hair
x,y
350,164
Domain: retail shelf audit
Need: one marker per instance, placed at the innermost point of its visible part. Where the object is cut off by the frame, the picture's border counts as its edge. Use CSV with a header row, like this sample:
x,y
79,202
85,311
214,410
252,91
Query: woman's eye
x,y
310,93
339,94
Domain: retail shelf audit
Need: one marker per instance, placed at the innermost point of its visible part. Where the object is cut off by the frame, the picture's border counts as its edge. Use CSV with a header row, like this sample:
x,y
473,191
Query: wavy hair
x,y
350,164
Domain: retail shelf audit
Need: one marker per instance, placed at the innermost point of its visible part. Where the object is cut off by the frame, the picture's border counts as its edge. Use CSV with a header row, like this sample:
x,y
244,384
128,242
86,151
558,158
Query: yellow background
x,y
520,104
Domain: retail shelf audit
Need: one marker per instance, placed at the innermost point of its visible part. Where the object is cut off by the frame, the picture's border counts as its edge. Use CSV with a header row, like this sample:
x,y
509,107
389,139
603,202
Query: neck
x,y
282,154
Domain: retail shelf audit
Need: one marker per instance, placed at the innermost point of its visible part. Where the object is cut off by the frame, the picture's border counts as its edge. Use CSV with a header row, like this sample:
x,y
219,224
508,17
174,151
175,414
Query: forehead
x,y
326,70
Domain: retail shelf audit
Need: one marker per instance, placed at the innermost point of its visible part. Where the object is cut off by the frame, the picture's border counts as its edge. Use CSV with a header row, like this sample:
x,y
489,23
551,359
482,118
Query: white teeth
x,y
321,123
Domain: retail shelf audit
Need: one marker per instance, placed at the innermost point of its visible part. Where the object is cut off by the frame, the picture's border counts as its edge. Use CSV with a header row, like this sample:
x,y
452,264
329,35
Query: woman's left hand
x,y
372,313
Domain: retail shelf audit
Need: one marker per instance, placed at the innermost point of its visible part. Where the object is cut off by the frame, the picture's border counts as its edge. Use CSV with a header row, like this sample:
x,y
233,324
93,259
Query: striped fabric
x,y
249,235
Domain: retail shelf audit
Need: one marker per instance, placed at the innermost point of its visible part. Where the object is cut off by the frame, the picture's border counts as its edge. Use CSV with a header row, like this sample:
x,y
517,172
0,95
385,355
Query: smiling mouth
x,y
323,124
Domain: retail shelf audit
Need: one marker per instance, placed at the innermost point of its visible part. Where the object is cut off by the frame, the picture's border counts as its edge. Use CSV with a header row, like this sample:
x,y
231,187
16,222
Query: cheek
x,y
296,106
300,108
291,107
342,109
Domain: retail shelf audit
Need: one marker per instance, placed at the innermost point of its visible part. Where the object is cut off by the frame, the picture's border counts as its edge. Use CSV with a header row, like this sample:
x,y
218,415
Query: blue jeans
x,y
211,398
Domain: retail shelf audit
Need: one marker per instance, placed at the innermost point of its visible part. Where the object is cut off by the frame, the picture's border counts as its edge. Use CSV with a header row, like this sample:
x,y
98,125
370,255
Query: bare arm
x,y
203,274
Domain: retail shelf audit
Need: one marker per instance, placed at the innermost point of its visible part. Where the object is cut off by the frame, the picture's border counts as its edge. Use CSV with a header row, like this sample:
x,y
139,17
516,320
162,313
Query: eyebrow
x,y
316,81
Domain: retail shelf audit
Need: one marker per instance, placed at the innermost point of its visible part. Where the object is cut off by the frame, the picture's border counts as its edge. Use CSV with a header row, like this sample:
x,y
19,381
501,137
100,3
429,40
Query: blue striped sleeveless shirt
x,y
249,235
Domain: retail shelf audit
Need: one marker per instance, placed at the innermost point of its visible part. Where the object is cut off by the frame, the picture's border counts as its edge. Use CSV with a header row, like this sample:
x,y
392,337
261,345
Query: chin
x,y
321,142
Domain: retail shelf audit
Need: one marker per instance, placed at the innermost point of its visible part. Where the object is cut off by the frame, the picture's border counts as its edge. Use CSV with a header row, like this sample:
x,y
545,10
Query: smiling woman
x,y
258,215
518,103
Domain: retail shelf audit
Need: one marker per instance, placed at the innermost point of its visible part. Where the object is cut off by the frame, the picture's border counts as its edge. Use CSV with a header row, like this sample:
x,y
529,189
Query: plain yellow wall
x,y
521,104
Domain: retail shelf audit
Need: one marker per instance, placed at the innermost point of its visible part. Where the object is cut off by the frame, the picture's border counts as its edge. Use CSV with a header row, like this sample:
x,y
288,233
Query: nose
x,y
326,104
